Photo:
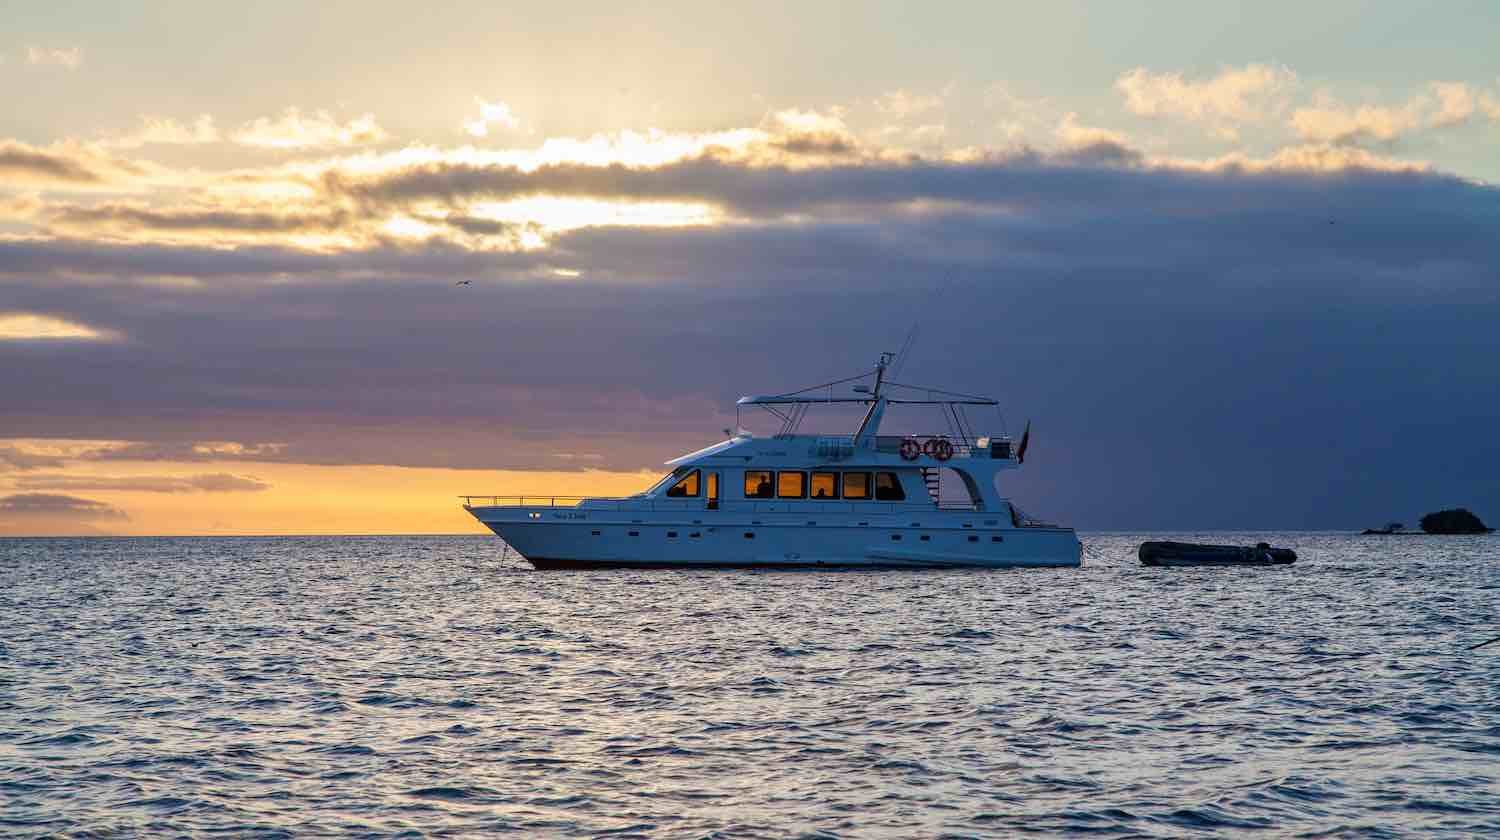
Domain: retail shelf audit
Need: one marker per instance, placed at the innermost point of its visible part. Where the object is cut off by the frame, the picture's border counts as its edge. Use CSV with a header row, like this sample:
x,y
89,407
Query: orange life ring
x,y
910,449
942,449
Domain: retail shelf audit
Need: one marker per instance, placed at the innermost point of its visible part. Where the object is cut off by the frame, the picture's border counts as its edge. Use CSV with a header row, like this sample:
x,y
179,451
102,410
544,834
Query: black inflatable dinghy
x,y
1194,554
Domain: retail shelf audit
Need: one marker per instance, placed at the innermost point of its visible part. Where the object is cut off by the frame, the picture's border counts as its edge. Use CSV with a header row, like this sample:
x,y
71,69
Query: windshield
x,y
667,481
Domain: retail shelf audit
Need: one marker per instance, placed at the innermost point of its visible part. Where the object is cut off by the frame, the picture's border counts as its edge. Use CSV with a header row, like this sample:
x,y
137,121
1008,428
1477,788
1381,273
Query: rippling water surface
x,y
291,686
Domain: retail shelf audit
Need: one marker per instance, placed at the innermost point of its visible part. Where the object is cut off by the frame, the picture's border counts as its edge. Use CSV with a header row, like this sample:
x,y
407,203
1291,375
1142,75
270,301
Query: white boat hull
x,y
573,538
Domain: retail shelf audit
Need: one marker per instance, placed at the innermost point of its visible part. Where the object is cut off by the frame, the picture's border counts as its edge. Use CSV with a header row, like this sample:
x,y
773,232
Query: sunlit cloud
x,y
166,131
18,457
1094,145
188,451
1252,93
556,214
201,483
26,326
1308,159
1459,101
1332,122
795,165
295,130
67,57
66,165
212,224
491,113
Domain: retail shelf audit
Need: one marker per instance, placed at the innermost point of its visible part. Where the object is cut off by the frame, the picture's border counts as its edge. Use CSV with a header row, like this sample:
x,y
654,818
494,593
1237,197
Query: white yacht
x,y
801,500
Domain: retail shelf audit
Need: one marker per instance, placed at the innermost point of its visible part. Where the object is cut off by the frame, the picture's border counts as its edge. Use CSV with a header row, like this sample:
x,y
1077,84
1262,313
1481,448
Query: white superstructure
x,y
795,500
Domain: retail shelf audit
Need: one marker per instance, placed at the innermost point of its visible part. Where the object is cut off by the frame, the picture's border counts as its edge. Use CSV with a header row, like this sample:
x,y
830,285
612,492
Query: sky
x,y
1238,265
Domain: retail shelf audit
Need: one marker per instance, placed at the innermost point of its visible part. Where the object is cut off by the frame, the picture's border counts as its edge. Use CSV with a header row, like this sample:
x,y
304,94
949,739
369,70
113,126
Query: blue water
x,y
425,686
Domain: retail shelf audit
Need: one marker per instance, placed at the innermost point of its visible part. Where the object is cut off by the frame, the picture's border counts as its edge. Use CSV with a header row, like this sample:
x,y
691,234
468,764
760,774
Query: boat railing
x,y
639,503
842,446
532,501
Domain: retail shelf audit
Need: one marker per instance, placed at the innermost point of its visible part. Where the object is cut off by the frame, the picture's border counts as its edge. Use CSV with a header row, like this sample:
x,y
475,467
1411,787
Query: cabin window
x,y
825,485
857,485
686,488
758,484
791,485
888,488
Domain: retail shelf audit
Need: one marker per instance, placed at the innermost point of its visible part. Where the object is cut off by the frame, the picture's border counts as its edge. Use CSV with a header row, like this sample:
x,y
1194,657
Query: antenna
x,y
911,338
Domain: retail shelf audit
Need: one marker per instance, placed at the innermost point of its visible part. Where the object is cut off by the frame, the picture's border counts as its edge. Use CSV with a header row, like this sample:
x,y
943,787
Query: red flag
x,y
1025,439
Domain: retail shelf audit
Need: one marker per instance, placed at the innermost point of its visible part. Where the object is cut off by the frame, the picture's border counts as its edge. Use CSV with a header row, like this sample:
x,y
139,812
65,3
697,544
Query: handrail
x,y
963,446
639,503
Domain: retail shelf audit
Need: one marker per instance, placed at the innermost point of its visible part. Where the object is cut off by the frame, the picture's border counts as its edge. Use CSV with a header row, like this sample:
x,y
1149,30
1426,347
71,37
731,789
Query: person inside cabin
x,y
763,489
821,494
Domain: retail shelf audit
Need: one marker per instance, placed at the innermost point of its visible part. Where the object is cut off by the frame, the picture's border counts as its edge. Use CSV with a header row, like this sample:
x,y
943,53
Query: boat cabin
x,y
956,469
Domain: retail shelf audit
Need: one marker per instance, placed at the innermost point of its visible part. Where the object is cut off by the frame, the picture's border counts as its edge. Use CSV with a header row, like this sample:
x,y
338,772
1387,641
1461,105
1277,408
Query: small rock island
x,y
1455,521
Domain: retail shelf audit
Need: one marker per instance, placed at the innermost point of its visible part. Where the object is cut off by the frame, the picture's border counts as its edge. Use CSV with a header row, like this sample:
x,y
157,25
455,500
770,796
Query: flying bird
x,y
463,283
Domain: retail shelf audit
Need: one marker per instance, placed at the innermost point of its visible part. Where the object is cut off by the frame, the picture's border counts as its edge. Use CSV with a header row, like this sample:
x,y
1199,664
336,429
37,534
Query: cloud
x,y
186,451
27,326
903,104
1490,105
294,130
15,458
123,219
59,163
70,58
166,131
52,505
1450,104
1458,102
1292,297
491,113
1090,145
207,483
1246,94
806,137
1455,103
1333,122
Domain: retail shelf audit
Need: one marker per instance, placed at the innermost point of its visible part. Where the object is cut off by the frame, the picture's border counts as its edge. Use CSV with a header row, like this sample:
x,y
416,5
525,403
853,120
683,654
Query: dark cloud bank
x,y
1196,349
49,505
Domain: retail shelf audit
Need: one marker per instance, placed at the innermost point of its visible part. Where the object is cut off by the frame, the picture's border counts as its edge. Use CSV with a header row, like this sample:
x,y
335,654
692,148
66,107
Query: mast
x,y
864,438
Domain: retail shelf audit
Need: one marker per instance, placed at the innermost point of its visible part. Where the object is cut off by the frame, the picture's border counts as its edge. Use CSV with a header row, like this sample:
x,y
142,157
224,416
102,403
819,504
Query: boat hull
x,y
708,544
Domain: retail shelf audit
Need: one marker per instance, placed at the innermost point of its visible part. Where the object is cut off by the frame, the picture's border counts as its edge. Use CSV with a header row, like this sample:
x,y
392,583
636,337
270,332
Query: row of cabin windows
x,y
796,484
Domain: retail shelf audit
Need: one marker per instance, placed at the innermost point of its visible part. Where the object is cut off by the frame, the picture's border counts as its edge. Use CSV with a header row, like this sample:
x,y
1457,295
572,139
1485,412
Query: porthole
x,y
749,535
997,539
595,533
973,538
926,538
635,533
672,534
895,538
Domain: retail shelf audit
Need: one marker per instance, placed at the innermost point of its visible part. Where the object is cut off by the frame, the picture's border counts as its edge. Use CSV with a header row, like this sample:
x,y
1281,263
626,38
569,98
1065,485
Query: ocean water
x,y
428,687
